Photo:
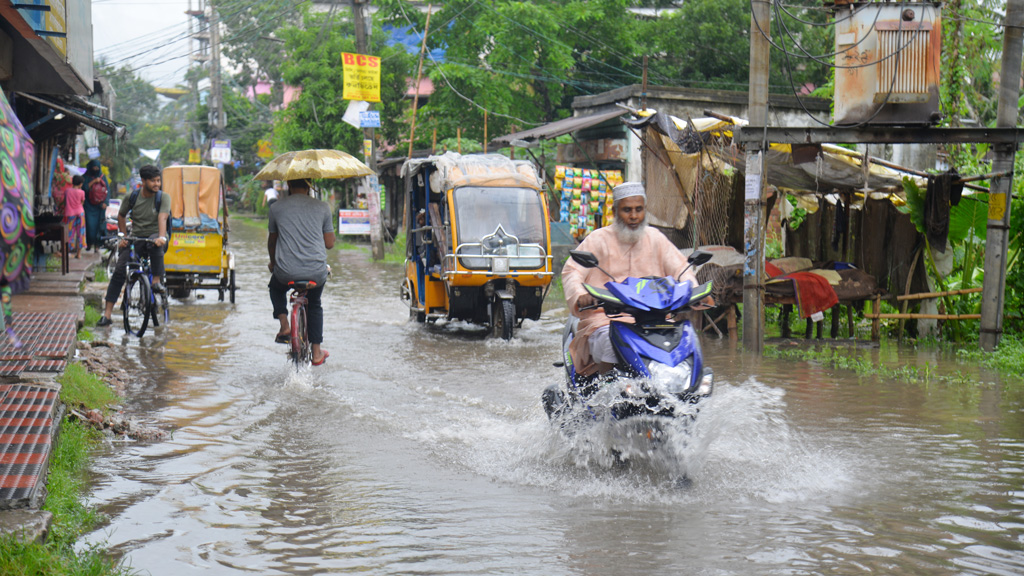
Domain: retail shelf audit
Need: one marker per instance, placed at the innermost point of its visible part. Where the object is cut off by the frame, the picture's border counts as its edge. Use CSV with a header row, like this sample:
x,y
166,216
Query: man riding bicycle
x,y
148,221
301,231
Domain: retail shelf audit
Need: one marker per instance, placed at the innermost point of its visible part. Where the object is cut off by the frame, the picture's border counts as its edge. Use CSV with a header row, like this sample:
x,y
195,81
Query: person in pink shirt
x,y
628,247
74,215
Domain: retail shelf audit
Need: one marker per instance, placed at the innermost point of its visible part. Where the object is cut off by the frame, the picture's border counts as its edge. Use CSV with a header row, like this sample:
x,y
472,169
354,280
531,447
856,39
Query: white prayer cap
x,y
627,189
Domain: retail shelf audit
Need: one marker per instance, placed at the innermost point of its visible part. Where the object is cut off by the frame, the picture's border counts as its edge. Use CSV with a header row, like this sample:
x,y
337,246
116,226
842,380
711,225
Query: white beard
x,y
627,235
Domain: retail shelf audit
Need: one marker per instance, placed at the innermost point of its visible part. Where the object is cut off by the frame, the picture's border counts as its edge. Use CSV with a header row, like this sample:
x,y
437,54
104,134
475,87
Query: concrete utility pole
x,y
362,26
993,295
218,119
198,49
754,190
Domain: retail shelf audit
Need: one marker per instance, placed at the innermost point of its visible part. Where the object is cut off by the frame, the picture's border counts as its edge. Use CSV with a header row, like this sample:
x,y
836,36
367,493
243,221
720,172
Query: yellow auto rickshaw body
x,y
478,240
197,255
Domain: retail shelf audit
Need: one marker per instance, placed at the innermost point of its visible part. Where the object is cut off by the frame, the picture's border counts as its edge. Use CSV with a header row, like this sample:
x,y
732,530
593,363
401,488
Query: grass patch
x,y
842,358
346,245
92,315
79,387
65,485
258,222
1007,359
394,253
100,275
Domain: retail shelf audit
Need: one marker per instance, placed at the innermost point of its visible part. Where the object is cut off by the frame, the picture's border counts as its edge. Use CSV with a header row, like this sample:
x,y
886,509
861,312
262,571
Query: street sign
x,y
264,149
361,74
369,119
353,222
220,151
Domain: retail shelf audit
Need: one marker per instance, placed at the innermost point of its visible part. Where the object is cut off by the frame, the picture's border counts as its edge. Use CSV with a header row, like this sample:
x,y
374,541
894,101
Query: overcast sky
x,y
149,35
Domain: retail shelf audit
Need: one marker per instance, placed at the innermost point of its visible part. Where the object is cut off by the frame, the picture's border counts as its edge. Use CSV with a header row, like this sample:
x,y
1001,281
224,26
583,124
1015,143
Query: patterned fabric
x,y
17,220
76,232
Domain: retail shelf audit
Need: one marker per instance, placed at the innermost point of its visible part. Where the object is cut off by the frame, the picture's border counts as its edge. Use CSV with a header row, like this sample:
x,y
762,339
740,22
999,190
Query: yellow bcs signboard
x,y
361,76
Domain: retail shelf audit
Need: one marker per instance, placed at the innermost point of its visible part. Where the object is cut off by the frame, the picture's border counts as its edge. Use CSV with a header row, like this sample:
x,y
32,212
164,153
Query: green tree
x,y
250,39
313,64
522,61
139,109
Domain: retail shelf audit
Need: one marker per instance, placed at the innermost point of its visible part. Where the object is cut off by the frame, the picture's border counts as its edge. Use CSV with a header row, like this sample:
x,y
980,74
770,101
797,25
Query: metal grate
x,y
47,342
27,416
905,61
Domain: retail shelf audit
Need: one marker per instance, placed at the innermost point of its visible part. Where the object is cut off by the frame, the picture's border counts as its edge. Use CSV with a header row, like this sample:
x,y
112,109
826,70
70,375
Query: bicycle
x,y
139,303
300,347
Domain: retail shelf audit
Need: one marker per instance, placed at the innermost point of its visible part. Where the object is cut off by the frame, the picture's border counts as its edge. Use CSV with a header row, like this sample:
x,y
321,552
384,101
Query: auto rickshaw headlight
x,y
499,265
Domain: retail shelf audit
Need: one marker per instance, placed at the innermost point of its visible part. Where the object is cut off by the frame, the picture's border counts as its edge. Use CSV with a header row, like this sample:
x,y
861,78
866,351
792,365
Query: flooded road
x,y
425,450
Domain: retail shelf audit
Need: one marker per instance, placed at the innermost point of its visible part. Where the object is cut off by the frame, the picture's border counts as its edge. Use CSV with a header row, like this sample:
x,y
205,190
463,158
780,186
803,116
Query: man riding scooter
x,y
626,248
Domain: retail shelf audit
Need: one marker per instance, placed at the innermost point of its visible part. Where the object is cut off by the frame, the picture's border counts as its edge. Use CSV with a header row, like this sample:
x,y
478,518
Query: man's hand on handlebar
x,y
584,302
705,304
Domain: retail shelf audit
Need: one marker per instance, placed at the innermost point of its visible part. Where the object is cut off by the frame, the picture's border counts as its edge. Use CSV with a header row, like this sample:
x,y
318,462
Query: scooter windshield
x,y
480,212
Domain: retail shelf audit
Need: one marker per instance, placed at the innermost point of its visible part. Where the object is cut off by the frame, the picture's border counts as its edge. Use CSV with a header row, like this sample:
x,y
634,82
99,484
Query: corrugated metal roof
x,y
560,127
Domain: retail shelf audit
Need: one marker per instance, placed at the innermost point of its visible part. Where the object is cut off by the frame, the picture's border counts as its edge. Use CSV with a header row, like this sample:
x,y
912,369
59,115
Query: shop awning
x,y
560,127
104,125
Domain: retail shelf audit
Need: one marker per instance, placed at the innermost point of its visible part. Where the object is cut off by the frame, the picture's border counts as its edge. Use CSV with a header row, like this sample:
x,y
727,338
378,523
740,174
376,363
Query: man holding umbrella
x,y
301,232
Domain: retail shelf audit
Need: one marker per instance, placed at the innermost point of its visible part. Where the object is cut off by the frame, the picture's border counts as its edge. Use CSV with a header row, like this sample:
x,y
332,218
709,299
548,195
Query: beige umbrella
x,y
313,164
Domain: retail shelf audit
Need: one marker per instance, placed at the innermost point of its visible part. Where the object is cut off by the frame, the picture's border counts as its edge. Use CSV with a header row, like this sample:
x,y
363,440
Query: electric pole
x,y
198,50
993,295
754,189
218,119
362,26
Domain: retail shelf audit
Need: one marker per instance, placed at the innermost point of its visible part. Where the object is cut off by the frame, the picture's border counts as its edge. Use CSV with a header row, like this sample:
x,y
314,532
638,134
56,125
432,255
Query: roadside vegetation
x,y
92,316
66,485
1008,361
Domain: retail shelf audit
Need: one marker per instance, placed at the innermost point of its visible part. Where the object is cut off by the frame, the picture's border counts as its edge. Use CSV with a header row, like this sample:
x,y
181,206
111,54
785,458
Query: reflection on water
x,y
424,449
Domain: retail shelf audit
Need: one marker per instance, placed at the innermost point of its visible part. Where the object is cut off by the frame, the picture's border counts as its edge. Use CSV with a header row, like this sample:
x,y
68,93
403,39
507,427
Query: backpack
x,y
97,192
159,198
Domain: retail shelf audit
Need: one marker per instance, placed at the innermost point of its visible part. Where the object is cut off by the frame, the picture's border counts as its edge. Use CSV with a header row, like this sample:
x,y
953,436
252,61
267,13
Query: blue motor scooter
x,y
660,372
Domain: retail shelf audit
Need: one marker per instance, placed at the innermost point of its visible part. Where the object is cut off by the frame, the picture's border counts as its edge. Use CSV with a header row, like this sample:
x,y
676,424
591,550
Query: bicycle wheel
x,y
112,255
136,305
300,336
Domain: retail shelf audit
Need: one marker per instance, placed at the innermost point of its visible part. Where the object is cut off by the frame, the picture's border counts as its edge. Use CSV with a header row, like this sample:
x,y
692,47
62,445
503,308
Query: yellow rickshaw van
x,y
197,255
477,241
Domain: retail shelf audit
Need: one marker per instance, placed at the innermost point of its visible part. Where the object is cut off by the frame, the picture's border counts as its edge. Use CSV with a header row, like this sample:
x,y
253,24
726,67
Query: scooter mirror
x,y
698,258
583,258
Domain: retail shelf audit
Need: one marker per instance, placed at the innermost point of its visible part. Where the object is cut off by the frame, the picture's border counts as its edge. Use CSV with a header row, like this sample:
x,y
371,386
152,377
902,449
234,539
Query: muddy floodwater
x,y
425,450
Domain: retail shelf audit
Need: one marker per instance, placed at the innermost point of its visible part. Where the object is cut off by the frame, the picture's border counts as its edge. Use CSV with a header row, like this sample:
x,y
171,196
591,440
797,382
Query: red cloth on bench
x,y
813,293
772,270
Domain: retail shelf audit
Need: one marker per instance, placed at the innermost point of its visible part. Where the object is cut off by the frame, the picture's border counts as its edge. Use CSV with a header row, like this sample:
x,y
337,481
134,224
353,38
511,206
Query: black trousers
x,y
314,311
156,263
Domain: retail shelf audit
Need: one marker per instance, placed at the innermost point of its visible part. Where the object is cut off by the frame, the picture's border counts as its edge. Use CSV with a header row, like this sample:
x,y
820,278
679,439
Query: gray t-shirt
x,y
300,223
143,215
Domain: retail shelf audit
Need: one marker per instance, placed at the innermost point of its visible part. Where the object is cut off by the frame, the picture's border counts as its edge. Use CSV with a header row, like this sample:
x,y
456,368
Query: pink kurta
x,y
653,255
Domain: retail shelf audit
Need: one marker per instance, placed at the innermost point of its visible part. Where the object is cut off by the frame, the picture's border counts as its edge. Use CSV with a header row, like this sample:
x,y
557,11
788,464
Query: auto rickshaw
x,y
197,255
477,241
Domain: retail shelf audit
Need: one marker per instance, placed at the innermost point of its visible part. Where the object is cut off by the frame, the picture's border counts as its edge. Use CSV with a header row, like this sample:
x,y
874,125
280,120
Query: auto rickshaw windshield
x,y
479,212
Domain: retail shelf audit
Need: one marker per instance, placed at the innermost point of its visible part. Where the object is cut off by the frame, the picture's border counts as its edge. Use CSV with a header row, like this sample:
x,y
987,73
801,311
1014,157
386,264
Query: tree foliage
x,y
250,41
313,64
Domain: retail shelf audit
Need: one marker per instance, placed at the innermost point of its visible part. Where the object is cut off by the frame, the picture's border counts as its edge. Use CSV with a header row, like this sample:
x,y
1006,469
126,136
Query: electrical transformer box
x,y
887,63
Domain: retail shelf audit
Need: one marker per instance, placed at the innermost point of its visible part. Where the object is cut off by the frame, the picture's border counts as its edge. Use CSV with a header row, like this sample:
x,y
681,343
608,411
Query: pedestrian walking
x,y
97,196
74,215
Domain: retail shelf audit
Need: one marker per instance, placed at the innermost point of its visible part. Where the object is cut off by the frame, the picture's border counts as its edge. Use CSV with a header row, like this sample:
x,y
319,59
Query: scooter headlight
x,y
671,379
